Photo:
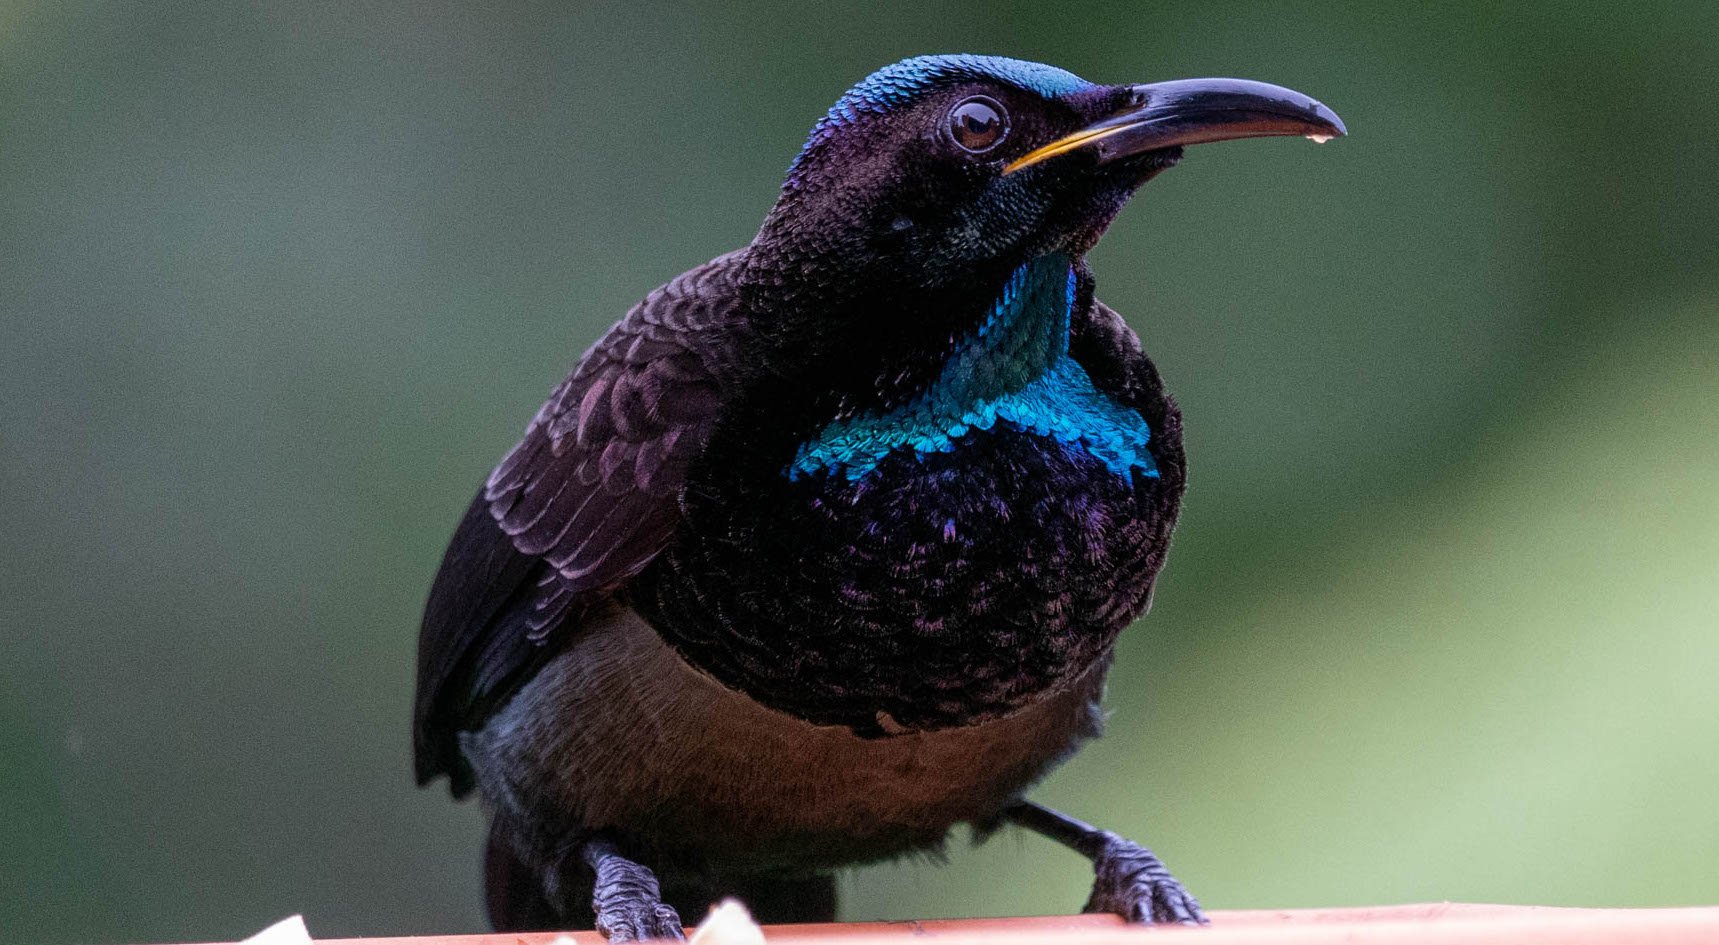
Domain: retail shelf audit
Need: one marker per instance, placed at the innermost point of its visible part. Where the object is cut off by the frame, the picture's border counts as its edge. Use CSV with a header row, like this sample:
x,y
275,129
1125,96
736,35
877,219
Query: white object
x,y
728,924
288,931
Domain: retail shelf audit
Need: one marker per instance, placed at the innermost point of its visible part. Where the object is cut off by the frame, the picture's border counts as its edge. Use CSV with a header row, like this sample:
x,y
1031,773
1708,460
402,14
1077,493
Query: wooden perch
x,y
1424,924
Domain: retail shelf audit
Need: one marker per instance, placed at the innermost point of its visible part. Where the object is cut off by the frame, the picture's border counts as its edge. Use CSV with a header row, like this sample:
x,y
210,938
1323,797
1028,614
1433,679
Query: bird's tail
x,y
513,892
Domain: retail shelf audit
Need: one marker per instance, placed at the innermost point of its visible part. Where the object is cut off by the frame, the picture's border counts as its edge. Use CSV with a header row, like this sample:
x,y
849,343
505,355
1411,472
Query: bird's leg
x,y
1130,880
627,899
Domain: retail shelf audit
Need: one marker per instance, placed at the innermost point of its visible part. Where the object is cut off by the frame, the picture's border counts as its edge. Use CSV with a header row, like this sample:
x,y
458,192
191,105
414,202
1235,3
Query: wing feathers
x,y
588,497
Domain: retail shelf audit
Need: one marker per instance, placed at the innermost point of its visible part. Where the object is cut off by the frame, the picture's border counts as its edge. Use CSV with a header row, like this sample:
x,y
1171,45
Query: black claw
x,y
1133,883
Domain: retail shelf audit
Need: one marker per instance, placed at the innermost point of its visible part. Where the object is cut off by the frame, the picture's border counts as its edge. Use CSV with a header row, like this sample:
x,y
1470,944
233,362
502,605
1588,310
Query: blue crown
x,y
896,84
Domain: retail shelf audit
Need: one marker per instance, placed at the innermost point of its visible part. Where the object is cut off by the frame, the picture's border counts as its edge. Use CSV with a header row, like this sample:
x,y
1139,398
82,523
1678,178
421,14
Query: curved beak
x,y
1194,111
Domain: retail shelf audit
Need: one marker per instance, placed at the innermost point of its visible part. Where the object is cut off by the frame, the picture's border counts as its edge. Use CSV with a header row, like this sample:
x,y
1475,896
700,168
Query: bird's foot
x,y
639,921
627,899
1134,884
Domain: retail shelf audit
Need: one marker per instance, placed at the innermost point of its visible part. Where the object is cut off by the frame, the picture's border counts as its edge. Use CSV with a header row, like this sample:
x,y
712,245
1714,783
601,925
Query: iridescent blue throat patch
x,y
1015,371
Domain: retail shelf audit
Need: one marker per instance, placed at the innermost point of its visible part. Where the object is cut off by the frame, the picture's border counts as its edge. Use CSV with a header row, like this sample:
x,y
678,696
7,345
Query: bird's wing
x,y
583,503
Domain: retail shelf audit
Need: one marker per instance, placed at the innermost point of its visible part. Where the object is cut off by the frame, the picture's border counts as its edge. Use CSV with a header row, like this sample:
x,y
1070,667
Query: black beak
x,y
1194,111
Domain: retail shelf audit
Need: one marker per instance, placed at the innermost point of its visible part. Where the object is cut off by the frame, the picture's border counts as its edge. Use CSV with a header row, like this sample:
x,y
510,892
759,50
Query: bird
x,y
823,549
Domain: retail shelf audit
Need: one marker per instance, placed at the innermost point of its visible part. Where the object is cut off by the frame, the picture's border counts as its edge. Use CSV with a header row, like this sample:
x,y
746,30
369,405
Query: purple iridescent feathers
x,y
584,501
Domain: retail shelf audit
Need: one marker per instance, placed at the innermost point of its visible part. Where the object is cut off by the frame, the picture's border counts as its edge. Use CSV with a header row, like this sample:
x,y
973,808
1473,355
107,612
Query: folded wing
x,y
583,503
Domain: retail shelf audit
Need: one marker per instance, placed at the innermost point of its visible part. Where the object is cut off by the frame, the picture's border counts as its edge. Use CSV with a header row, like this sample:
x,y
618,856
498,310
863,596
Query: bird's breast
x,y
937,589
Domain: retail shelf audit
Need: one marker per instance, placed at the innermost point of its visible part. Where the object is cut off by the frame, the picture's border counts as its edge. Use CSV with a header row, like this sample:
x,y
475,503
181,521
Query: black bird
x,y
823,549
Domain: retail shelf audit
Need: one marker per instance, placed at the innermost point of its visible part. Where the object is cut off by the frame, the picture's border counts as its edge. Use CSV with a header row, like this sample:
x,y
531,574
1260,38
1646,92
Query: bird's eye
x,y
978,124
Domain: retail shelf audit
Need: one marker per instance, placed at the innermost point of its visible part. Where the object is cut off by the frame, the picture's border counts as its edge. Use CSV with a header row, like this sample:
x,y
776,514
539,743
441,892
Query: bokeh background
x,y
279,282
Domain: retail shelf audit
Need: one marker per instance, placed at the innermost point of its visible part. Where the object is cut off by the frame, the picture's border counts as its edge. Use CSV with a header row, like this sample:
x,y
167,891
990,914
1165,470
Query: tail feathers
x,y
513,892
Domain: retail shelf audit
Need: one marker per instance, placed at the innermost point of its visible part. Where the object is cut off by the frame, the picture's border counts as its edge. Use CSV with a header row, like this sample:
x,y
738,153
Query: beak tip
x,y
1334,127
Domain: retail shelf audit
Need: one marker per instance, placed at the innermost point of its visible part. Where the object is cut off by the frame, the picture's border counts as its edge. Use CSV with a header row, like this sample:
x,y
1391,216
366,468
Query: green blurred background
x,y
279,282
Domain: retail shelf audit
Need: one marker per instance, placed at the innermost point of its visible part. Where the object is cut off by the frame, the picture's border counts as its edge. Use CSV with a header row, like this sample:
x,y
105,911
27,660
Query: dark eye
x,y
978,124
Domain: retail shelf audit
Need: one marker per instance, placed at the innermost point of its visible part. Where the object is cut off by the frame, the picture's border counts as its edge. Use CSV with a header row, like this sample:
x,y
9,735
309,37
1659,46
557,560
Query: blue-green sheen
x,y
1015,371
898,83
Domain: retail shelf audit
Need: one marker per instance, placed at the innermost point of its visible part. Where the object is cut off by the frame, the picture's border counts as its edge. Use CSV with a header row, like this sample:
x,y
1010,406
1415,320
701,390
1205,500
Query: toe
x,y
656,922
666,924
1172,905
1134,884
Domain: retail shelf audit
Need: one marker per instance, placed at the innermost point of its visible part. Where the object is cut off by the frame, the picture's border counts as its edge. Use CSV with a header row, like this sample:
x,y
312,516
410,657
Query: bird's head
x,y
938,183
940,168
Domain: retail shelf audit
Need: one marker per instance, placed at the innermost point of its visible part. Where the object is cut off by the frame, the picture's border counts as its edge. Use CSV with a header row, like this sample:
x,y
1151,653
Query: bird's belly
x,y
619,734
937,590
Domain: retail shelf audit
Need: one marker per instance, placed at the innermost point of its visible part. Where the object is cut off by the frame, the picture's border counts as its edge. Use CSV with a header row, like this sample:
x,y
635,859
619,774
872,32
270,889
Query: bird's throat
x,y
1014,370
